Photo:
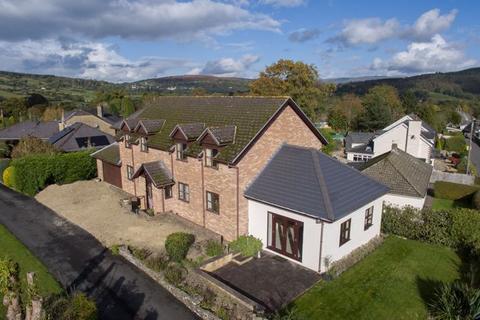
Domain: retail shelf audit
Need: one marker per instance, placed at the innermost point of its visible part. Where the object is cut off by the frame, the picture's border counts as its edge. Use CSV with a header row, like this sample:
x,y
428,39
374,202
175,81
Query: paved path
x,y
475,154
80,262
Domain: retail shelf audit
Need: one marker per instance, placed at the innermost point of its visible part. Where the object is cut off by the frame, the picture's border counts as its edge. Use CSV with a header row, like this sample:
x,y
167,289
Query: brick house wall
x,y
287,128
91,121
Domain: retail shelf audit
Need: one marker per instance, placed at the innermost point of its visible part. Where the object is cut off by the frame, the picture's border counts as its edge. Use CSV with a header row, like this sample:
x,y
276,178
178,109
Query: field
x,y
394,282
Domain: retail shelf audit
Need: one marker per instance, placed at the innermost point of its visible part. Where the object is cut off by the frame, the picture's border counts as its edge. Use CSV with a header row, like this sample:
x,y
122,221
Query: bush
x,y
178,244
115,249
248,246
30,146
34,173
214,248
455,301
456,144
457,228
157,263
453,191
9,177
476,200
140,253
174,274
75,307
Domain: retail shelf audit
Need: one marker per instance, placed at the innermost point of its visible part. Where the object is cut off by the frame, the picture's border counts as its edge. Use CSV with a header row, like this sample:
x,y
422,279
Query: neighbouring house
x,y
79,136
195,156
311,208
94,118
409,133
406,176
37,129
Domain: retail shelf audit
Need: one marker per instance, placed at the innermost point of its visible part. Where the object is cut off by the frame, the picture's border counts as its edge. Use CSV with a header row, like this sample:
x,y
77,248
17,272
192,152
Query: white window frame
x,y
180,151
211,202
143,144
210,158
127,141
183,192
129,172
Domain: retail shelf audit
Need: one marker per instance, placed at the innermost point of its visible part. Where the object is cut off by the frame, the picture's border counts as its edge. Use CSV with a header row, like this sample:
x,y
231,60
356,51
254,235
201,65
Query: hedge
x,y
456,228
34,173
456,144
453,191
248,246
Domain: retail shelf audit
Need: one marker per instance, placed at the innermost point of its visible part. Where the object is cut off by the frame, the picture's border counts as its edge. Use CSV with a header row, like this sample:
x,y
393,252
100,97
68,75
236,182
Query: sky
x,y
129,40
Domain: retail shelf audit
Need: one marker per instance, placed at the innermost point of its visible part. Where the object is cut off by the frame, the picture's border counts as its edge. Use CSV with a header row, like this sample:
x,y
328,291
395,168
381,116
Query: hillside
x,y
74,92
463,84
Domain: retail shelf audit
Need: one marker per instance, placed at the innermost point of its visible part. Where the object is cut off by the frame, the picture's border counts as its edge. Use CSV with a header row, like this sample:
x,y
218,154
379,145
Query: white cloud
x,y
136,19
431,23
367,31
304,35
228,67
284,3
436,55
93,60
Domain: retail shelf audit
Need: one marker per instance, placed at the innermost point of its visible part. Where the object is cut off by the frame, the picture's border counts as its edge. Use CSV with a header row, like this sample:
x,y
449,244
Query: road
x,y
475,154
79,262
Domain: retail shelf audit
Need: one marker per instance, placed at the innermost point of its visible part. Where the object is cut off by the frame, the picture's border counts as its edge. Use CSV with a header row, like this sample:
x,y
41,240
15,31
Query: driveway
x,y
95,206
475,154
80,262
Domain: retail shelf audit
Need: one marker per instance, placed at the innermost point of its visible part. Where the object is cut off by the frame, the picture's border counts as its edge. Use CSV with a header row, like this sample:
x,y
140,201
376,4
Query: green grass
x,y
392,283
14,249
439,204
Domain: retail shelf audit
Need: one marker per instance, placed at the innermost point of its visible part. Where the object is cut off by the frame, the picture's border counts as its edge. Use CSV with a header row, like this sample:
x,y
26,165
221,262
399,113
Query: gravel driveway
x,y
95,206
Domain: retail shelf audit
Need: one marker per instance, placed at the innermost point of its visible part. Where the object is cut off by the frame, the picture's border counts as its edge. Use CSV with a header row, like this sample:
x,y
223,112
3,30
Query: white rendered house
x,y
310,208
409,133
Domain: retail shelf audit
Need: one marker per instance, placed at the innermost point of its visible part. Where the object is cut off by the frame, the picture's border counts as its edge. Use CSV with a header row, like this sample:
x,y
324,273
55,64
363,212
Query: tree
x,y
199,91
409,102
293,78
376,116
31,145
127,107
345,112
52,113
15,107
337,119
382,105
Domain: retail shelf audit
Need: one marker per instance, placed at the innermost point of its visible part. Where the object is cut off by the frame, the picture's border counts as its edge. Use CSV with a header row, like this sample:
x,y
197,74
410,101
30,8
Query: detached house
x,y
409,133
195,156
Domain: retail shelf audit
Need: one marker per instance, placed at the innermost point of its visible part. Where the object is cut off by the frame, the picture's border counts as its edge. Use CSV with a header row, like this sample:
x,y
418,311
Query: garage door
x,y
112,174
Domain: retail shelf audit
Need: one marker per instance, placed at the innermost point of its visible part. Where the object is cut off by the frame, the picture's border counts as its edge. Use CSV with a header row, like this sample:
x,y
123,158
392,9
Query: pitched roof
x,y
109,154
157,171
250,115
107,117
358,138
38,129
401,172
80,136
190,130
309,182
151,126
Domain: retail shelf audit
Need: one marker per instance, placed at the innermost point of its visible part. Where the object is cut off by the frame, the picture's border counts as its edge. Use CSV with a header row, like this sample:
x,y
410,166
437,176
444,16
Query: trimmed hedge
x,y
248,246
178,244
453,191
456,228
34,173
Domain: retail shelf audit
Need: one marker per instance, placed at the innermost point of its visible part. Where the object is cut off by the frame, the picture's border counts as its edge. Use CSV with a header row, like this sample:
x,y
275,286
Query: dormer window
x,y
210,158
180,150
127,141
143,144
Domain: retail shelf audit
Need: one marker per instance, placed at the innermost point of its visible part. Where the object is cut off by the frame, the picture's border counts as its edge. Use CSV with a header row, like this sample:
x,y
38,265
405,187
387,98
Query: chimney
x,y
100,110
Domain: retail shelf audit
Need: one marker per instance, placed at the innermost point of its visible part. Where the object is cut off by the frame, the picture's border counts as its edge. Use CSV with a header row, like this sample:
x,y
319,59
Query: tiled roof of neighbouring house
x,y
157,171
107,117
248,114
358,138
80,136
308,181
401,172
38,129
109,154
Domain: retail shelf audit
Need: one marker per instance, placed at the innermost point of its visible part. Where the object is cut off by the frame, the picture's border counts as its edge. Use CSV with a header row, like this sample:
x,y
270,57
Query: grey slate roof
x,y
80,136
192,130
41,130
309,182
223,135
401,172
356,138
151,126
109,154
157,171
430,133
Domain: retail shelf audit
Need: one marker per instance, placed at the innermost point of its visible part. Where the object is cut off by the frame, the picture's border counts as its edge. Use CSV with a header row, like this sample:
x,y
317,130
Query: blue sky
x,y
127,40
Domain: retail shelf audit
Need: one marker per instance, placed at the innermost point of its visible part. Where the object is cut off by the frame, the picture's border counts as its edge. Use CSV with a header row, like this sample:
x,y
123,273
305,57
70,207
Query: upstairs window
x,y
143,144
127,141
213,202
368,218
129,172
345,231
210,158
183,192
180,149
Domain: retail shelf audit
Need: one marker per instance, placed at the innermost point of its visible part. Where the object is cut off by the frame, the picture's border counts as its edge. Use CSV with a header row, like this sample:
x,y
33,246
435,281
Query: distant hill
x,y
353,79
75,92
463,84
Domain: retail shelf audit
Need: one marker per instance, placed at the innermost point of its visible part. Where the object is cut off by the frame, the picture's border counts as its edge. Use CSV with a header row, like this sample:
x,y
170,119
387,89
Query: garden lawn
x,y
440,204
394,282
14,249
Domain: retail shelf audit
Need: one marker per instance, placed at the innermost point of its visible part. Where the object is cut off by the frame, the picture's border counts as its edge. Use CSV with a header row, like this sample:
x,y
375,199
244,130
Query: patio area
x,y
270,281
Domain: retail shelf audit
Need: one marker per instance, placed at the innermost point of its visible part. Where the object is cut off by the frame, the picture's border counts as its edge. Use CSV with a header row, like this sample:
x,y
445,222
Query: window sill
x,y
367,227
186,201
343,242
214,212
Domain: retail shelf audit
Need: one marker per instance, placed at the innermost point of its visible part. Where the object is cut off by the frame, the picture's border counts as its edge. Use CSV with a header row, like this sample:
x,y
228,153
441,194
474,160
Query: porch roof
x,y
158,173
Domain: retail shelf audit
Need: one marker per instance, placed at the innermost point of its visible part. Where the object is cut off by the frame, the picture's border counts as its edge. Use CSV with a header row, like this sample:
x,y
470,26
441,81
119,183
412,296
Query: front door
x,y
286,236
149,194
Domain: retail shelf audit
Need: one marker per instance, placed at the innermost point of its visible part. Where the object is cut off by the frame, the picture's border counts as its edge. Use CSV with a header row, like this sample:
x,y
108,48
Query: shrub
x,y
455,144
9,176
455,301
178,244
140,253
31,145
34,173
174,274
214,248
248,246
157,263
476,200
115,249
453,191
74,307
